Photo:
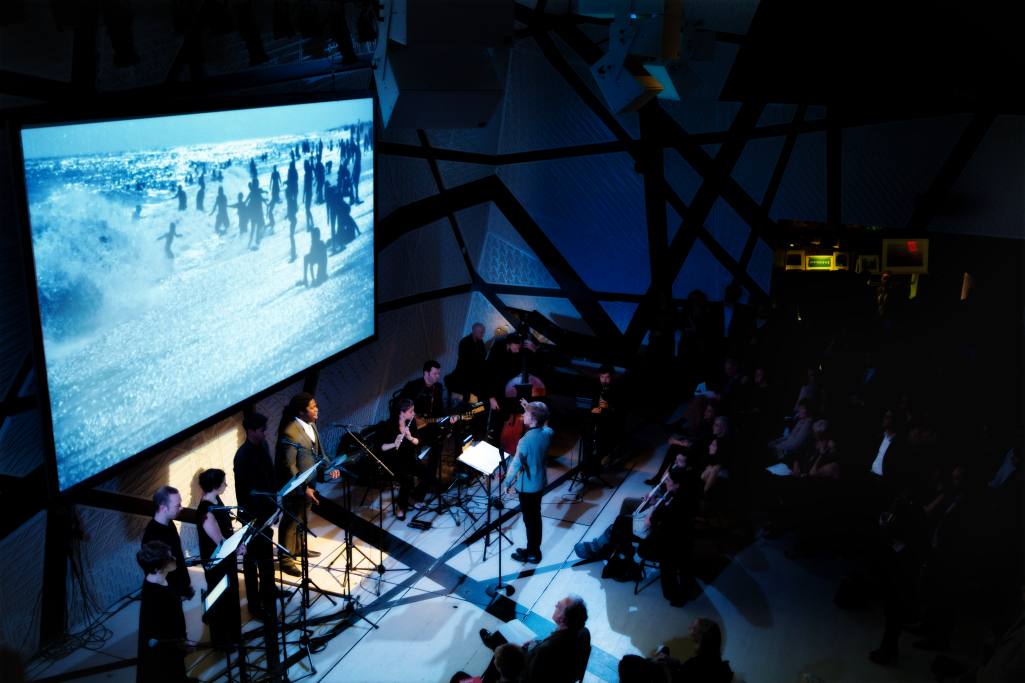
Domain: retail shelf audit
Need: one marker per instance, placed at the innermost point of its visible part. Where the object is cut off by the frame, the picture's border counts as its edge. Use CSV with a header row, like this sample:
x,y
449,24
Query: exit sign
x,y
820,262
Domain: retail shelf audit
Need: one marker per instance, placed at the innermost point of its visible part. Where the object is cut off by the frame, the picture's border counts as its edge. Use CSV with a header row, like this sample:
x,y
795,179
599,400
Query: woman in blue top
x,y
530,476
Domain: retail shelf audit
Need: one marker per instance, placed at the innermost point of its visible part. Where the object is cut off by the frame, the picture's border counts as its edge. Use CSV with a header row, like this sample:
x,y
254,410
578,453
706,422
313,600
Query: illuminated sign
x,y
820,262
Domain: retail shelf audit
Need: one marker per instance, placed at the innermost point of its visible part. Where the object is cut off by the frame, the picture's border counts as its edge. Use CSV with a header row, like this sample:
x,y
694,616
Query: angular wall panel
x,y
725,112
481,311
629,122
478,140
713,74
886,166
423,260
503,264
728,228
776,114
815,113
760,266
756,163
559,311
501,227
694,114
681,176
701,271
22,582
542,111
401,181
621,312
802,190
673,222
732,17
473,226
712,149
21,444
454,173
991,185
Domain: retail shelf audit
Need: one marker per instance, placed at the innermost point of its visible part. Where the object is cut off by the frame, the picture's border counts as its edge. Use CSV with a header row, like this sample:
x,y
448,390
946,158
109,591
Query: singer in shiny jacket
x,y
398,442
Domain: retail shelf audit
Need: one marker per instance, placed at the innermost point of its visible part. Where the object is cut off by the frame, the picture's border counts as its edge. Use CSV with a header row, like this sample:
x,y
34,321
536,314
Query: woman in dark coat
x,y
400,452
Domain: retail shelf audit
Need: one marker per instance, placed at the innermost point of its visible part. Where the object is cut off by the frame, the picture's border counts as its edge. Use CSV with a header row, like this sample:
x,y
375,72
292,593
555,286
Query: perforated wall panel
x,y
473,226
760,266
711,149
629,122
422,260
681,176
802,190
991,185
886,166
478,140
22,582
481,311
502,263
402,180
756,163
713,73
560,311
542,111
454,173
694,114
21,444
815,113
728,228
673,222
621,312
701,271
775,114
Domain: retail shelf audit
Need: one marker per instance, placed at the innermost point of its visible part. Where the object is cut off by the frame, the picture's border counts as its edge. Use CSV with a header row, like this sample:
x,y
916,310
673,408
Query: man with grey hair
x,y
530,476
470,373
559,658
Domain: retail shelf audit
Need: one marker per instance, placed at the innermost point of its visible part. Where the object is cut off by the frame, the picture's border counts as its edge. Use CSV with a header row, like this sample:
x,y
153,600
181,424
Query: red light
x,y
912,246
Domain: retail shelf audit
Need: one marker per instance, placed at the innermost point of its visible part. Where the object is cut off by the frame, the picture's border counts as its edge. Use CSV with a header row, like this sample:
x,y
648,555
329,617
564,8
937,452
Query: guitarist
x,y
426,395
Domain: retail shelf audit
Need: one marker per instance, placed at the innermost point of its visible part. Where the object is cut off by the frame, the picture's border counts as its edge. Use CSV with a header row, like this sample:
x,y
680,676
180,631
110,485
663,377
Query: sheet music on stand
x,y
229,546
297,481
483,457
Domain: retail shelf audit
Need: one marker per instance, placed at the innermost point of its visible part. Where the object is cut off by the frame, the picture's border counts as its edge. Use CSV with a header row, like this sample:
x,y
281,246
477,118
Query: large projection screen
x,y
163,303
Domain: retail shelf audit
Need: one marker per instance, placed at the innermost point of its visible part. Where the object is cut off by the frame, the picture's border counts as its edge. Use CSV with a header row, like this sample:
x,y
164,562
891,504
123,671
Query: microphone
x,y
264,493
153,642
345,426
225,507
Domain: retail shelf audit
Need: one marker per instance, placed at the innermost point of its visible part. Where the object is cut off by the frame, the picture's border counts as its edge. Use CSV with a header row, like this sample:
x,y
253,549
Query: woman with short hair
x,y
161,620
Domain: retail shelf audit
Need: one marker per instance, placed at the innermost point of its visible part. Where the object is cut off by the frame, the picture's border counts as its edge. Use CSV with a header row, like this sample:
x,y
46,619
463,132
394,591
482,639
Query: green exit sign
x,y
820,262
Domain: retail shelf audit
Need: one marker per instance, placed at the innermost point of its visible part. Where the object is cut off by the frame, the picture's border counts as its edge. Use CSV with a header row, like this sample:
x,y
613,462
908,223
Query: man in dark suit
x,y
298,427
254,471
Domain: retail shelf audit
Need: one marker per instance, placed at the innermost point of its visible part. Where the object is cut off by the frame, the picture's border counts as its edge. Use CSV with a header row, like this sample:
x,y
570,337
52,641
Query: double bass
x,y
513,428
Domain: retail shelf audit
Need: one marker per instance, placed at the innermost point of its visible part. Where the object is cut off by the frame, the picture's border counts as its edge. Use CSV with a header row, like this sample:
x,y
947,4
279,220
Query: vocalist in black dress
x,y
213,527
160,619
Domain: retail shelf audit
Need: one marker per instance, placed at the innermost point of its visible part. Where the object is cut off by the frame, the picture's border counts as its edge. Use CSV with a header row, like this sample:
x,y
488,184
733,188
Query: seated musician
x,y
399,447
504,362
426,395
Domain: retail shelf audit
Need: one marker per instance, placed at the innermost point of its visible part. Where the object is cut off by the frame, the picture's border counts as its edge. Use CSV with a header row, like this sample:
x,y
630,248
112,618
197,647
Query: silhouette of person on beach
x,y
292,212
356,164
221,208
318,174
168,238
243,214
275,195
292,182
308,191
183,201
200,198
252,169
138,212
255,202
317,257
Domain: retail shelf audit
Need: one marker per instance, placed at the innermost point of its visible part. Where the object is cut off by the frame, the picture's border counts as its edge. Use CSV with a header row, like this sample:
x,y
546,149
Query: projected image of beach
x,y
186,263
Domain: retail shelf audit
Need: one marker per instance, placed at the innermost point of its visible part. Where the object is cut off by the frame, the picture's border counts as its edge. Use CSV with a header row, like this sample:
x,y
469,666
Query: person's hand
x,y
530,345
494,404
797,470
685,443
647,520
673,441
596,410
276,518
508,490
398,440
241,550
312,496
454,418
523,402
334,474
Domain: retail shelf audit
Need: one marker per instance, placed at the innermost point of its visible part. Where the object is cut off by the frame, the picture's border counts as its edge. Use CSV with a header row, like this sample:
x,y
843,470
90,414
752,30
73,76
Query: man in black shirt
x,y
162,528
254,471
608,409
428,404
504,363
470,375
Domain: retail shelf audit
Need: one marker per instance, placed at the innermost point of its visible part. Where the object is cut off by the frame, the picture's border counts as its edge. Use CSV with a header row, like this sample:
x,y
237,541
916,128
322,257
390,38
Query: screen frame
x,y
119,108
921,270
803,259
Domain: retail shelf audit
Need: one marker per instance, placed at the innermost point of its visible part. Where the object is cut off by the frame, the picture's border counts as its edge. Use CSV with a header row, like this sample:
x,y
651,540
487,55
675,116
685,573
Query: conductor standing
x,y
529,476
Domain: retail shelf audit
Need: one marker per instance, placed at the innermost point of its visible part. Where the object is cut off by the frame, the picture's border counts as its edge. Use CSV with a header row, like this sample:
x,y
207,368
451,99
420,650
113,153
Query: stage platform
x,y
778,613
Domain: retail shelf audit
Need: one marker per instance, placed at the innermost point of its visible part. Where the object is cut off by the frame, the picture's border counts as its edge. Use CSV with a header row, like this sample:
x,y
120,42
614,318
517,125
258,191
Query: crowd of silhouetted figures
x,y
254,211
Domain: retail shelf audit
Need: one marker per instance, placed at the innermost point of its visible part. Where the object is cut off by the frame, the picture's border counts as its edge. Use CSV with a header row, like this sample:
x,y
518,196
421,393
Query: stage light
x,y
651,46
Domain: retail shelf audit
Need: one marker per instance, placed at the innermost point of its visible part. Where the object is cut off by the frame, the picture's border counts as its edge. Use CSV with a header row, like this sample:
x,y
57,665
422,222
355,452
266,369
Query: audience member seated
x,y
509,661
821,460
890,466
719,455
726,387
560,657
664,529
785,446
697,442
813,389
706,666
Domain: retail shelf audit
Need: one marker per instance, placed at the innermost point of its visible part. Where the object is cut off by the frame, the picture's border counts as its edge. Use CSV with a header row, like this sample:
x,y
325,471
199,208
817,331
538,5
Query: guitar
x,y
421,421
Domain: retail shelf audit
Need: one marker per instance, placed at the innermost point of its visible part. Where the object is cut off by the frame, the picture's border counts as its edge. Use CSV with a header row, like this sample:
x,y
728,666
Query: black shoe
x,y
521,556
883,657
312,553
291,569
678,602
651,482
488,638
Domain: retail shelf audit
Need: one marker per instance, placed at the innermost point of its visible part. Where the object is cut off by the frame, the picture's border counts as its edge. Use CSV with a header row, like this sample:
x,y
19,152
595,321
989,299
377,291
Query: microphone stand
x,y
380,568
494,589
